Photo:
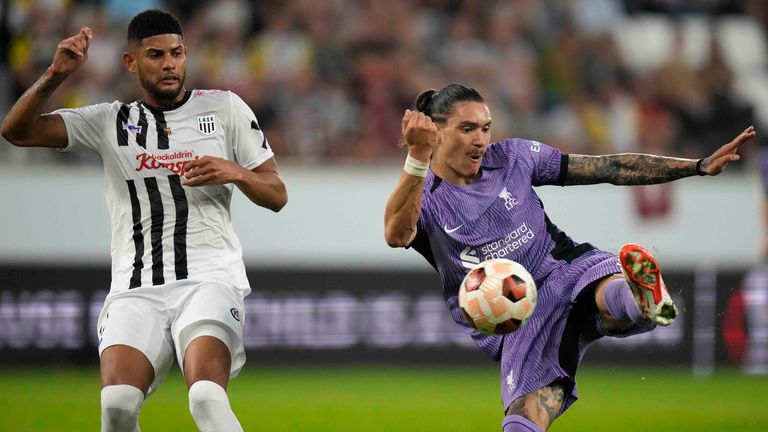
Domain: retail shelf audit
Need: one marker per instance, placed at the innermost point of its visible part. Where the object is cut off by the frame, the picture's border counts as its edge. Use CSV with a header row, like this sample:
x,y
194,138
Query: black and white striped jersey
x,y
163,231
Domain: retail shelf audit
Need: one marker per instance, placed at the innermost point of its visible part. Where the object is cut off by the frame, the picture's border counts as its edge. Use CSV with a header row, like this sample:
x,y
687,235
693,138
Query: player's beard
x,y
167,95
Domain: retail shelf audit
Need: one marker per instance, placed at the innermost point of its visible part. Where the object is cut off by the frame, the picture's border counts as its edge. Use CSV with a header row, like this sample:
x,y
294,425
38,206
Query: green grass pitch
x,y
398,398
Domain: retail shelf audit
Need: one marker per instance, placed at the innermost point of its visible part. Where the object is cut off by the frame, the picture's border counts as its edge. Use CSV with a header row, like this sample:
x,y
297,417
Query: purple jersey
x,y
500,216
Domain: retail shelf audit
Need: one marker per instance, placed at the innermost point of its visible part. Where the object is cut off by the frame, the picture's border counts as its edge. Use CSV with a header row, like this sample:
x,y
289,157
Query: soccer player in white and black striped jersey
x,y
171,161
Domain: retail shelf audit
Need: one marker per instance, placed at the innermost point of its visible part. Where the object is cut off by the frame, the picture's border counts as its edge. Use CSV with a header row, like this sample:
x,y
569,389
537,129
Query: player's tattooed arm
x,y
627,169
540,406
640,169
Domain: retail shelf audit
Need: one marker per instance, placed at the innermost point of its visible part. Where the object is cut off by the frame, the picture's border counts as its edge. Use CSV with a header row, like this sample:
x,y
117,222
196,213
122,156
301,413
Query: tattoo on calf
x,y
540,406
518,408
551,400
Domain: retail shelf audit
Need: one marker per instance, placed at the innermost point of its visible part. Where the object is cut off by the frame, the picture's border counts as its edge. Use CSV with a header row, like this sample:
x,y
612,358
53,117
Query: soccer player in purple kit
x,y
462,200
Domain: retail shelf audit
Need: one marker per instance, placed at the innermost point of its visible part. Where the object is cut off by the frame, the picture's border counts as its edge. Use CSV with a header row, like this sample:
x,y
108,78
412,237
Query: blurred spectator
x,y
597,16
121,11
747,315
755,297
682,89
727,112
331,79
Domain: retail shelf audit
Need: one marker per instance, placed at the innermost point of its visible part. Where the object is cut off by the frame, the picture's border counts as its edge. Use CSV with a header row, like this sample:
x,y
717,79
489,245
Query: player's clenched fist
x,y
419,132
72,52
210,170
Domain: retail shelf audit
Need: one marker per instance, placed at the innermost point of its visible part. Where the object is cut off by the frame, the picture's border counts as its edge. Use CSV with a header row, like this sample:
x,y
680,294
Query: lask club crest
x,y
207,124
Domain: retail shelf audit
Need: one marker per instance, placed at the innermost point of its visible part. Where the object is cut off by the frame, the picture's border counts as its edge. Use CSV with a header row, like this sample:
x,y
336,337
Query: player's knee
x,y
120,405
209,405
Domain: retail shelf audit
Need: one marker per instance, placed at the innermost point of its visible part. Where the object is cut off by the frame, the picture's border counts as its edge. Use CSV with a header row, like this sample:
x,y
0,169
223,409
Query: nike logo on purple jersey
x,y
450,230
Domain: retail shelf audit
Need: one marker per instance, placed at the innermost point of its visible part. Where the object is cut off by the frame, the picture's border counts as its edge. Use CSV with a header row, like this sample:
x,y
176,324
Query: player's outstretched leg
x,y
643,275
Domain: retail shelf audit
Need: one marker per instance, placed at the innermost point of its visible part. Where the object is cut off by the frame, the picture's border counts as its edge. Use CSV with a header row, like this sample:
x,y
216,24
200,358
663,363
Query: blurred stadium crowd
x,y
329,79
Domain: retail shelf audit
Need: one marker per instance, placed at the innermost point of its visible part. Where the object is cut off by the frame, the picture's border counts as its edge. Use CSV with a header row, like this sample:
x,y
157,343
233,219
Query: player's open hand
x,y
716,163
72,52
209,170
420,133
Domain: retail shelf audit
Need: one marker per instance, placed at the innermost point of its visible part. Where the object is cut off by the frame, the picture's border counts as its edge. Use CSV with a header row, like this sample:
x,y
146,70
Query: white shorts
x,y
161,321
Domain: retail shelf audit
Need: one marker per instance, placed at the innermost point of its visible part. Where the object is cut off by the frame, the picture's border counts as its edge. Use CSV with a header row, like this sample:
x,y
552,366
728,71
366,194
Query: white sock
x,y
120,405
210,408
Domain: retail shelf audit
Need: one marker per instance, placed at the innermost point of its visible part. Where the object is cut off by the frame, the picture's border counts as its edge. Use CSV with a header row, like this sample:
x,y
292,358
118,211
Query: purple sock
x,y
621,303
516,423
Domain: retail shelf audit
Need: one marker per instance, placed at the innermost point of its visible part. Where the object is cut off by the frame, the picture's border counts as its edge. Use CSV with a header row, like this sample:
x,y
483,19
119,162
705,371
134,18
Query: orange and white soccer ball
x,y
497,296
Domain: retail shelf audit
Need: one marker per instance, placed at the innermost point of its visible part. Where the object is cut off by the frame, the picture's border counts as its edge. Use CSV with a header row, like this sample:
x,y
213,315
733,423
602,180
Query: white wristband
x,y
415,167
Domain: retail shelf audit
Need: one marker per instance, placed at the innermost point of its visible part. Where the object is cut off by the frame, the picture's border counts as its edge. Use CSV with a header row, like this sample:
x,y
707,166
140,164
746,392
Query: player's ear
x,y
441,129
129,61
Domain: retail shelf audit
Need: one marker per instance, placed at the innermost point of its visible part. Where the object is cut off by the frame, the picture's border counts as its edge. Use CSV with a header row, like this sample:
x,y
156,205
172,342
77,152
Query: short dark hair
x,y
438,104
152,22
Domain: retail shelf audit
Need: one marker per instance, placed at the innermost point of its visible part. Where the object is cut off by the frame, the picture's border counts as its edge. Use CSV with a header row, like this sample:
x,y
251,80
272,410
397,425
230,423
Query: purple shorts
x,y
549,347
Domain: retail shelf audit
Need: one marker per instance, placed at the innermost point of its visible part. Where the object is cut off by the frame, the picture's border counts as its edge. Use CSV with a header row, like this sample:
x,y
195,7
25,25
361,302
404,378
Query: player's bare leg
x,y
207,358
534,410
126,375
206,370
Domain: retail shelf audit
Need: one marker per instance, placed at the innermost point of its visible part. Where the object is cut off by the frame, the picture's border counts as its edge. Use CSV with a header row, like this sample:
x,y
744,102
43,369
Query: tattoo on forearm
x,y
627,169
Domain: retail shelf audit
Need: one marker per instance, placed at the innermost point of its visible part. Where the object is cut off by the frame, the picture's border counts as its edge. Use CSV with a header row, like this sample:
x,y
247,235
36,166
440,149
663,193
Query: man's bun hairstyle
x,y
424,100
152,22
438,104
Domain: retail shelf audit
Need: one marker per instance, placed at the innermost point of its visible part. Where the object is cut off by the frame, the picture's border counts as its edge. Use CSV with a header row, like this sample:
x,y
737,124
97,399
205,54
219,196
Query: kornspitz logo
x,y
171,161
235,314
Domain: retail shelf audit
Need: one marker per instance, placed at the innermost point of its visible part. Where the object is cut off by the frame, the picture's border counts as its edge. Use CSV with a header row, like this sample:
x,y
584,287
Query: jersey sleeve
x,y
547,164
250,146
421,242
85,126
